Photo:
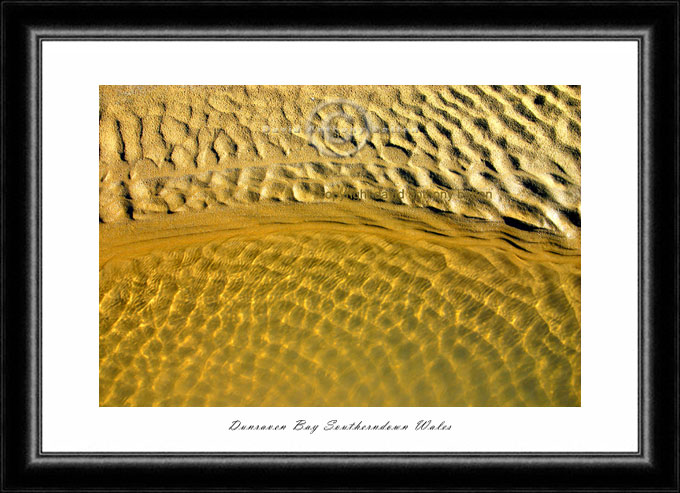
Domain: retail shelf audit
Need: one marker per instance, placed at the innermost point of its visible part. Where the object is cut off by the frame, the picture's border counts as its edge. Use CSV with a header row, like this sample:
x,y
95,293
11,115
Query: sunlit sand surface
x,y
261,276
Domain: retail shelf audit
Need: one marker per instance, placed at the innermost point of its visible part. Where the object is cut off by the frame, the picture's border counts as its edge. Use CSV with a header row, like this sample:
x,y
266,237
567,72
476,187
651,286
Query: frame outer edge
x,y
36,469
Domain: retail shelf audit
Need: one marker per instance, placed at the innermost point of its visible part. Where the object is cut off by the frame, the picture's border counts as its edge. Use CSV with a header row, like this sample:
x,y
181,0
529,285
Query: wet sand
x,y
245,261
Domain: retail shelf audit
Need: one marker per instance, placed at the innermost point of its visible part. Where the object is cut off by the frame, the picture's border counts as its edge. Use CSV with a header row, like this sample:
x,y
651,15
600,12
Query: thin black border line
x,y
643,438
39,102
337,38
642,443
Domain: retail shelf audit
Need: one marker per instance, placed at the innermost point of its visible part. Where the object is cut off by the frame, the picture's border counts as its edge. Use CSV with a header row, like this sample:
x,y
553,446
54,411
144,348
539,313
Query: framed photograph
x,y
396,245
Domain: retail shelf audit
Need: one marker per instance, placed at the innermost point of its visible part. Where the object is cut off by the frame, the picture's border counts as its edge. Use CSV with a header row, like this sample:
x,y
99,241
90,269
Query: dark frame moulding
x,y
654,25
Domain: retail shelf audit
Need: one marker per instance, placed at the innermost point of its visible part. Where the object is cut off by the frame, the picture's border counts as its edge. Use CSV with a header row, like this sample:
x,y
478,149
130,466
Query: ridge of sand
x,y
506,154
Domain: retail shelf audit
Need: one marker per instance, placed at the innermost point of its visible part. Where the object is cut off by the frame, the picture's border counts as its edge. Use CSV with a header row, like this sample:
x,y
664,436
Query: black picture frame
x,y
654,25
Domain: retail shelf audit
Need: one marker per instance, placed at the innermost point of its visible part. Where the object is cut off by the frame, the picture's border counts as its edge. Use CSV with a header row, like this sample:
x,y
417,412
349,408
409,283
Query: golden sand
x,y
246,261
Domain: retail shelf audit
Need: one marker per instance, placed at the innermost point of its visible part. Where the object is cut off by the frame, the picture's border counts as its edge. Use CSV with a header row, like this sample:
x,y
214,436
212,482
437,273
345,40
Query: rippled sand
x,y
242,266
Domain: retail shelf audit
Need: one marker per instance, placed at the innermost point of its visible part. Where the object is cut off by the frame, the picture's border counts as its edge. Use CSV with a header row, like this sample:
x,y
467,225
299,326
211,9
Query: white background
x,y
72,72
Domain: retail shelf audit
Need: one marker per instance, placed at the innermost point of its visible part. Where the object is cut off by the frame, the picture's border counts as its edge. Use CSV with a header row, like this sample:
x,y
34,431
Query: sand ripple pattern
x,y
327,318
514,150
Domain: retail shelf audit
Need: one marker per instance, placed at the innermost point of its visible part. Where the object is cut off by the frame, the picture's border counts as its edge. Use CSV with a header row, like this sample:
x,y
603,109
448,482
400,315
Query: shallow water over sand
x,y
432,259
338,314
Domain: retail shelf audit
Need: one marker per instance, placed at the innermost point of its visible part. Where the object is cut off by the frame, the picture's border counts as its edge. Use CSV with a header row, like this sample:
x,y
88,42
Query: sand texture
x,y
423,252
